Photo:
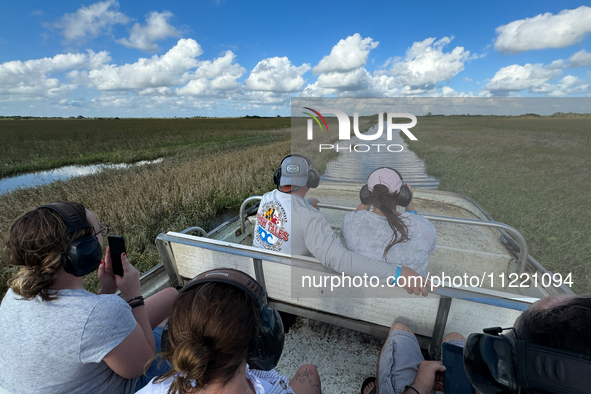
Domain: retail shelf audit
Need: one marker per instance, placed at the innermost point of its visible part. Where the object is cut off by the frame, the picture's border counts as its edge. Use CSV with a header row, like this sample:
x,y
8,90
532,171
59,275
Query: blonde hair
x,y
37,241
212,330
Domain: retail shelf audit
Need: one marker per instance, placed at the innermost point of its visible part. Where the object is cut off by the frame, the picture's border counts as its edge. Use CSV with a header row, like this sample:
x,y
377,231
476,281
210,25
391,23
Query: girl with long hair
x,y
377,230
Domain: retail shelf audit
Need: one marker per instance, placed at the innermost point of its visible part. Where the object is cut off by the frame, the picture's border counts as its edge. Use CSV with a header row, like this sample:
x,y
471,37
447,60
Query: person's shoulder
x,y
420,224
363,215
112,300
82,295
415,217
275,195
156,388
104,306
9,295
96,307
350,217
270,193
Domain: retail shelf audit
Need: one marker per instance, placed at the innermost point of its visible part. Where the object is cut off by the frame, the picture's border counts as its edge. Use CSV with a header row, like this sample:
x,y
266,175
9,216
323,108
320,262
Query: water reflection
x,y
62,173
355,167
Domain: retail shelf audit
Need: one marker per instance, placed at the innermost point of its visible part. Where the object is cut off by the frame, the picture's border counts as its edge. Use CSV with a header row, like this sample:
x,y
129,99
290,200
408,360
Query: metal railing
x,y
521,261
243,206
198,229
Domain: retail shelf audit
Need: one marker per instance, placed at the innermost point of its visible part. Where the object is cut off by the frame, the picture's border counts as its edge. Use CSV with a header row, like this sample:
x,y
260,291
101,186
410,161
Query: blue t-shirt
x,y
57,346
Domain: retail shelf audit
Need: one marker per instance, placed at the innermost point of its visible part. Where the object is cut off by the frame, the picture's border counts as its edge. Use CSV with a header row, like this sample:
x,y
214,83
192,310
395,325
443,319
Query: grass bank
x,y
185,190
33,145
531,173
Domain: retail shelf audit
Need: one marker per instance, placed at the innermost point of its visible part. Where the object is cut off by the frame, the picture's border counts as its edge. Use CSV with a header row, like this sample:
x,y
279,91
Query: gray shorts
x,y
400,361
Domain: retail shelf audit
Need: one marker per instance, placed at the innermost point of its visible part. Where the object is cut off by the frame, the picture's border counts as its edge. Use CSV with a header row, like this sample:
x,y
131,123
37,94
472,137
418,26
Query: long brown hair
x,y
385,201
37,241
212,329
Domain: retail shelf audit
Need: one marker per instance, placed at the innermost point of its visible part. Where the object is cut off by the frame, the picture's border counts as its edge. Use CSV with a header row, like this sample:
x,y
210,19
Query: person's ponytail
x,y
386,202
36,242
211,332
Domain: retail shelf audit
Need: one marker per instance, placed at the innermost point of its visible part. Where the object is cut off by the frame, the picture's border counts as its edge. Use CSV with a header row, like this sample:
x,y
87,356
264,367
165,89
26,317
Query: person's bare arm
x,y
424,382
129,358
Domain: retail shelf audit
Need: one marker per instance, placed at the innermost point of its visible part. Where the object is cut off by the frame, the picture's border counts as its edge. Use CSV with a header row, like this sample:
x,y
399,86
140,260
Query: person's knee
x,y
453,336
308,374
308,369
399,327
170,293
165,299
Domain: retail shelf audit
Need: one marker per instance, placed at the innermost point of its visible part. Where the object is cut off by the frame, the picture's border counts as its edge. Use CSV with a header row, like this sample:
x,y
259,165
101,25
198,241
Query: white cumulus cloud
x,y
515,77
544,31
276,74
425,64
89,22
214,78
535,78
346,55
354,80
156,28
169,69
567,85
34,77
579,59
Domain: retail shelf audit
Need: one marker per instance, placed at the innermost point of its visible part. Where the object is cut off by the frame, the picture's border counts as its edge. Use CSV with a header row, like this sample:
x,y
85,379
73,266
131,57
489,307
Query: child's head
x,y
211,331
37,240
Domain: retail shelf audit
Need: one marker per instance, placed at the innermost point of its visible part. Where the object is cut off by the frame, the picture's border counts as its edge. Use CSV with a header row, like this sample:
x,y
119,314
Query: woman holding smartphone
x,y
56,337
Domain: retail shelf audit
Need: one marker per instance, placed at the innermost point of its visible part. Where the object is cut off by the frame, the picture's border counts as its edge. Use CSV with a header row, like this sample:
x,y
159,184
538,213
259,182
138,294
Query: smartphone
x,y
116,247
455,380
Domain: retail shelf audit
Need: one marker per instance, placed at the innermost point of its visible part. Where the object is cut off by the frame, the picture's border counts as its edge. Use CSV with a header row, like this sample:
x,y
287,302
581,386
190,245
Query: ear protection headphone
x,y
313,176
500,364
269,343
83,255
404,195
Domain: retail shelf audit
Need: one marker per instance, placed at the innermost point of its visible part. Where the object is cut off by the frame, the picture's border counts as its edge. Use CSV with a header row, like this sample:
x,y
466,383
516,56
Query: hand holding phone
x,y
116,247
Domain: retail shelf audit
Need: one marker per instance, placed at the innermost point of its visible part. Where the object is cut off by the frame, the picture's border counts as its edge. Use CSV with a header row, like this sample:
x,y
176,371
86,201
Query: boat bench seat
x,y
185,256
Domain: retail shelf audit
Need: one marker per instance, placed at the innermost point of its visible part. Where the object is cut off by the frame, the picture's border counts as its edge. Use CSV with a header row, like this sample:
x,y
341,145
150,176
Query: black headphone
x,y
269,343
83,255
500,364
313,176
404,195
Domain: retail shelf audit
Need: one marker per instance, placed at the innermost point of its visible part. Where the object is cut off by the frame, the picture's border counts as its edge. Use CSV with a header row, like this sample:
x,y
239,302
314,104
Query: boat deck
x,y
344,357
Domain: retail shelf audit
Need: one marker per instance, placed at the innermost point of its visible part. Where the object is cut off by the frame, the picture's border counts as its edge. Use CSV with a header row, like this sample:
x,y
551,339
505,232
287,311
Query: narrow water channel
x,y
63,173
355,167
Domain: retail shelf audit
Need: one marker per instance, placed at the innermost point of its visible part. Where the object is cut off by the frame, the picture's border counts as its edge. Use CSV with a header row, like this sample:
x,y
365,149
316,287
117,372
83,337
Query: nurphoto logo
x,y
345,130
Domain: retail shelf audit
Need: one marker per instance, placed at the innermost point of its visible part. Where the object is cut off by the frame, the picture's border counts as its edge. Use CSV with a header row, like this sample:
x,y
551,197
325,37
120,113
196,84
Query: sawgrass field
x,y
532,173
529,172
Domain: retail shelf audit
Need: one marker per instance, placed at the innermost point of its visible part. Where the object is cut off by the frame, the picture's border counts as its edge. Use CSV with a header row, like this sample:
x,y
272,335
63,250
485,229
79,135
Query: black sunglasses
x,y
103,230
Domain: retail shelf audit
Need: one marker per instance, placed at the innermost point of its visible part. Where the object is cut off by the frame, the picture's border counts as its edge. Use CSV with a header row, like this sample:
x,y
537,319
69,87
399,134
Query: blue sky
x,y
229,58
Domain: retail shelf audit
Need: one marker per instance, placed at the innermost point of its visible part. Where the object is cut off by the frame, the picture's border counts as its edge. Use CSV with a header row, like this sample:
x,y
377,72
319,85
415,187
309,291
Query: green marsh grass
x,y
33,145
531,173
